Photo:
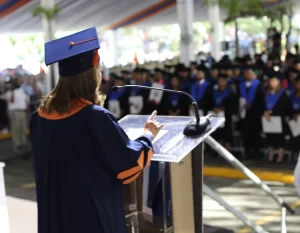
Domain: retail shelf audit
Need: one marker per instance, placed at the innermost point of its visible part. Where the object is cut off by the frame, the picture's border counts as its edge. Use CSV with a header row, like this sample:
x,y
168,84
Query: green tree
x,y
280,17
236,9
49,14
12,40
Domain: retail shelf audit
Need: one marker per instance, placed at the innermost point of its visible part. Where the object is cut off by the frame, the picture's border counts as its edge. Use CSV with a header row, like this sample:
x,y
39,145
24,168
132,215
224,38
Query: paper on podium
x,y
295,127
134,133
272,126
170,145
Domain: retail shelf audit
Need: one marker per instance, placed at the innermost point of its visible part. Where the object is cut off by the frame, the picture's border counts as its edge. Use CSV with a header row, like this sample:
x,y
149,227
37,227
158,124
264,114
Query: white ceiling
x,y
81,14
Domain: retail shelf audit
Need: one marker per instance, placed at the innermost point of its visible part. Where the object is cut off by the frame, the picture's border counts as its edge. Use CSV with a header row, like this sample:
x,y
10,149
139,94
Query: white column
x,y
4,226
49,30
113,47
216,28
185,14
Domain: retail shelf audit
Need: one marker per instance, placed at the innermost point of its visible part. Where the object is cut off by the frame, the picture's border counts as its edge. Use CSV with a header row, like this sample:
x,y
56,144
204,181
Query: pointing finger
x,y
160,126
153,115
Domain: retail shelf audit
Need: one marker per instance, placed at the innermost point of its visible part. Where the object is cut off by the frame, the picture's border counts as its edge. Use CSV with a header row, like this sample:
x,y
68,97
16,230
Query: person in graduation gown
x,y
117,101
125,74
146,75
156,98
138,97
277,104
193,69
166,78
225,104
167,68
237,78
176,104
292,74
81,156
251,104
185,73
222,67
295,102
213,75
201,91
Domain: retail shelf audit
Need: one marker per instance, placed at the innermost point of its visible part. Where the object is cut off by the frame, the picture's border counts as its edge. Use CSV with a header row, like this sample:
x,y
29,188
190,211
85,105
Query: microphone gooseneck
x,y
194,128
116,88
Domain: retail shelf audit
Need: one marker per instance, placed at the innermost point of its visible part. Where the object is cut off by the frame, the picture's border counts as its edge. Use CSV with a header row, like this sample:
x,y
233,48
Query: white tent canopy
x,y
80,14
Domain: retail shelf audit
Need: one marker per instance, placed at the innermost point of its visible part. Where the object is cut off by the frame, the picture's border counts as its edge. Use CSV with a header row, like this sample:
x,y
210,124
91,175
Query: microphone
x,y
194,128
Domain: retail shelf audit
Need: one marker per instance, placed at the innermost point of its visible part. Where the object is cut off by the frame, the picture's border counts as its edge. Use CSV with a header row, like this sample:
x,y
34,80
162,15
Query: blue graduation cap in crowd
x,y
75,53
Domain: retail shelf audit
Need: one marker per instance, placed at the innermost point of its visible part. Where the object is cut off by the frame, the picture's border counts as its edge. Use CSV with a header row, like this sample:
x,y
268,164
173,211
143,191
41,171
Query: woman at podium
x,y
81,155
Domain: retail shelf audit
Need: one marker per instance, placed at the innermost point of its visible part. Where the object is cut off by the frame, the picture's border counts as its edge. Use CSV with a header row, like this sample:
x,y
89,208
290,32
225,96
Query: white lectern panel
x,y
172,145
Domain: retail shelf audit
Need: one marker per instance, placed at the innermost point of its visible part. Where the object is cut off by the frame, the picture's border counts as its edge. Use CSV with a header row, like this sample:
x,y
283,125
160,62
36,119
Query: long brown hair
x,y
69,89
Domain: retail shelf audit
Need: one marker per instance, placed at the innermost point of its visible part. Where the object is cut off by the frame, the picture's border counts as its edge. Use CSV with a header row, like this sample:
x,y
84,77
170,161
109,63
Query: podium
x,y
184,158
4,224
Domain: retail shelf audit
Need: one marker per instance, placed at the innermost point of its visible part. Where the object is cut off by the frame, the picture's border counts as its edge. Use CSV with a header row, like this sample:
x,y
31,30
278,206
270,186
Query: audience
x,y
260,100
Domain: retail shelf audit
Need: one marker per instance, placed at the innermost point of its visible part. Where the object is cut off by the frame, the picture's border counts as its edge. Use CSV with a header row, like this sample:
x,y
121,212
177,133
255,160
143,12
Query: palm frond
x,y
210,2
12,40
48,13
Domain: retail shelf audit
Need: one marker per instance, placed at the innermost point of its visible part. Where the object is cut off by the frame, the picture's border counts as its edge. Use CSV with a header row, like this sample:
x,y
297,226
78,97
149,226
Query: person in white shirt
x,y
18,102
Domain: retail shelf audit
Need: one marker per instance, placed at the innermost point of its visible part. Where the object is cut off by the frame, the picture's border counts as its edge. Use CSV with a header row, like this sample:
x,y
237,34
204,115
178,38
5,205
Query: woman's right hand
x,y
267,115
152,126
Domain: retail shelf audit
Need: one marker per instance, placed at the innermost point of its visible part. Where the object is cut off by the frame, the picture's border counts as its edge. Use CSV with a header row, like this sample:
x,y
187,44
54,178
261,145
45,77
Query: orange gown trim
x,y
76,106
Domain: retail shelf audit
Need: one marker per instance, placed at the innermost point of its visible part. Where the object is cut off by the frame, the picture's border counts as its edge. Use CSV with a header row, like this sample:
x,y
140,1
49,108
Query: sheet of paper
x,y
295,127
242,103
272,126
172,143
114,108
156,95
134,133
136,104
219,114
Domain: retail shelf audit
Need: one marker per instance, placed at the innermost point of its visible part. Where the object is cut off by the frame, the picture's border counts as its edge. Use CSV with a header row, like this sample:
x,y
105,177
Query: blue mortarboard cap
x,y
75,53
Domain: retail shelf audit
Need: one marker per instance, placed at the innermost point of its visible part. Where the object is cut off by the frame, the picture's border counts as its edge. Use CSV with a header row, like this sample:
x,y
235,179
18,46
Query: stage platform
x,y
242,194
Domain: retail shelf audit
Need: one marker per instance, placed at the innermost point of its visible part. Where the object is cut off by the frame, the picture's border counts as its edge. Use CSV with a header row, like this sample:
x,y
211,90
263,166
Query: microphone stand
x,y
193,129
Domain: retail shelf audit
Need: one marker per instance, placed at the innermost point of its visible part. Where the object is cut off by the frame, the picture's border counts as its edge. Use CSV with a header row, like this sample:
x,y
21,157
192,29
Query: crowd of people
x,y
19,96
260,100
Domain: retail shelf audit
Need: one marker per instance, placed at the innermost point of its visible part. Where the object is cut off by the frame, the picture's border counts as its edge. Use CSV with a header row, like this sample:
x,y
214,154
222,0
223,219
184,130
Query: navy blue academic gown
x,y
81,161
